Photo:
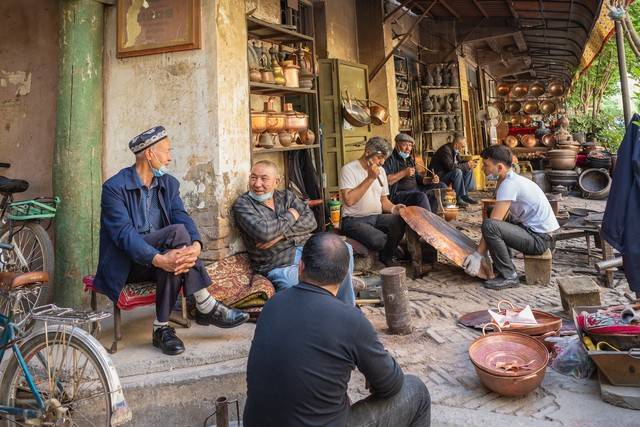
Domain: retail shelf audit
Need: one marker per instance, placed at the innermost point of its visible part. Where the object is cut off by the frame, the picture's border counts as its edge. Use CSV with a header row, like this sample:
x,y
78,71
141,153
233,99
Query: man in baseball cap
x,y
147,235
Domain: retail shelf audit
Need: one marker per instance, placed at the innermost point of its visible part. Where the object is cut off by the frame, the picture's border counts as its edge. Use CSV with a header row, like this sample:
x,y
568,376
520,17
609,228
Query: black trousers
x,y
380,233
502,235
411,406
168,285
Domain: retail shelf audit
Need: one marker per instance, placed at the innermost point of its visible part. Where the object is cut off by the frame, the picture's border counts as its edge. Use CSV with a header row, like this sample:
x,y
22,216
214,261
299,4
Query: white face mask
x,y
162,170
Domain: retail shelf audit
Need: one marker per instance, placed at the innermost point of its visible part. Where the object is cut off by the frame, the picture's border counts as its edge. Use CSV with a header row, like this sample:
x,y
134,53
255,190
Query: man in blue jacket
x,y
146,235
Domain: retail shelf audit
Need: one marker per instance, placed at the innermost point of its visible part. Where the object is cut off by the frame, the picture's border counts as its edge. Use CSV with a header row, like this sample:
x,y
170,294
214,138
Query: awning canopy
x,y
515,39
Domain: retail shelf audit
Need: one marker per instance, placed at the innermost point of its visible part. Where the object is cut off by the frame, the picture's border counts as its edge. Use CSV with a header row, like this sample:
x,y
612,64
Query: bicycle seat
x,y
8,185
9,281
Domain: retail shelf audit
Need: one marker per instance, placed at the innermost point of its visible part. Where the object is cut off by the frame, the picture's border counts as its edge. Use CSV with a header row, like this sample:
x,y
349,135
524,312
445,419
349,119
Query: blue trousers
x,y
462,181
286,277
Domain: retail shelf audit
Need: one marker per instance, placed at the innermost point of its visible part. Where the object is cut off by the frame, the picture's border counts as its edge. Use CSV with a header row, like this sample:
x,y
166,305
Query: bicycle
x,y
60,375
20,226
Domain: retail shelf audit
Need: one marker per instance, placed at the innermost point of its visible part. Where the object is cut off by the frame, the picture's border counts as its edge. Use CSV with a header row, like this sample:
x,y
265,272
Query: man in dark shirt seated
x,y
406,185
446,164
275,224
307,343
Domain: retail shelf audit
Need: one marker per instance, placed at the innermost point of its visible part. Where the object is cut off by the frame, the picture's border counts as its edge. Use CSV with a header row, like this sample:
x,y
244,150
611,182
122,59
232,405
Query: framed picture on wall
x,y
147,27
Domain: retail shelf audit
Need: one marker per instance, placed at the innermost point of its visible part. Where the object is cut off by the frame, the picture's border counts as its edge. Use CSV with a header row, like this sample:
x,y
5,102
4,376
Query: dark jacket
x,y
621,217
445,160
120,243
395,164
305,347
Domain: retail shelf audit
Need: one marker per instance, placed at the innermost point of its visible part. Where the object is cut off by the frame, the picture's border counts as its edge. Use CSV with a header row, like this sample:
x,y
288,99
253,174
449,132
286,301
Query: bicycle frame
x,y
8,339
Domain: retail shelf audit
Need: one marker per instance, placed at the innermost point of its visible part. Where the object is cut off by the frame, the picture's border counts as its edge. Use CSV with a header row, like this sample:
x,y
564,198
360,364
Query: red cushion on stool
x,y
132,295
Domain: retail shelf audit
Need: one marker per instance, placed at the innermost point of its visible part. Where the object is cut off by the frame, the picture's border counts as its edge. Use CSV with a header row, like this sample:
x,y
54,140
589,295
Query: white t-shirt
x,y
351,175
529,205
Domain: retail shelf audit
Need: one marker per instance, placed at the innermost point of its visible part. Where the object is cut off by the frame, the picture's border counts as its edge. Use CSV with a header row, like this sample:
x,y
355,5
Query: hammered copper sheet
x,y
451,243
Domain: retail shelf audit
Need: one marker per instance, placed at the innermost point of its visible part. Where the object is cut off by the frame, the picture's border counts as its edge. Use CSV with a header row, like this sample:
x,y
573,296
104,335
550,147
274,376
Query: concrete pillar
x,y
77,167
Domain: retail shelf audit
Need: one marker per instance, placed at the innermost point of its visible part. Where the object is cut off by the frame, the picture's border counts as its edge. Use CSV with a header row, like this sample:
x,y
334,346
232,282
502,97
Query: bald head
x,y
325,259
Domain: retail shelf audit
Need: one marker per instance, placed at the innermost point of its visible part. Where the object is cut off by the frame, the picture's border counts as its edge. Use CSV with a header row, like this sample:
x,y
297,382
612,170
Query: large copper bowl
x,y
536,89
548,140
528,141
562,159
513,107
546,322
511,386
531,107
548,107
275,122
511,141
526,121
520,90
503,89
296,121
515,121
258,122
556,88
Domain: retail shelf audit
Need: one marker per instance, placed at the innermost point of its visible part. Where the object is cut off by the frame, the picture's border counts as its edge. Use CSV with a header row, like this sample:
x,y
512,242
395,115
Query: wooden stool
x,y
537,268
578,291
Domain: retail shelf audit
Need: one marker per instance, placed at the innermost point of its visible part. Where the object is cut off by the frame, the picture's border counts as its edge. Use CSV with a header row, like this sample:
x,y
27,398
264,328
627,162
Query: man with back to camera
x,y
368,215
529,227
406,185
307,343
146,235
446,164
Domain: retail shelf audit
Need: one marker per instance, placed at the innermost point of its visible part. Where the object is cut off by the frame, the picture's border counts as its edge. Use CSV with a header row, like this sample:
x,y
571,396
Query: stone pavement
x,y
181,390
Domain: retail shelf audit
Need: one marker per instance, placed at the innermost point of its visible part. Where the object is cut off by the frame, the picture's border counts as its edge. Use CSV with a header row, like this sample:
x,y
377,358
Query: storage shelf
x,y
435,113
442,131
399,74
405,130
262,30
259,88
258,150
401,92
440,87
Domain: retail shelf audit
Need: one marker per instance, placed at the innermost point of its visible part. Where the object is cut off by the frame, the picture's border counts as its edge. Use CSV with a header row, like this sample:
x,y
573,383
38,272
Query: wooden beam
x,y
520,41
449,8
488,33
512,9
494,45
480,8
400,6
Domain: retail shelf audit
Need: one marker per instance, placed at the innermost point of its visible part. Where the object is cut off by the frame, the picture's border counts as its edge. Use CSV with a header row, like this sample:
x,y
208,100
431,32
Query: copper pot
x,y
564,122
258,122
526,121
520,90
296,121
548,107
451,213
548,140
511,141
562,159
556,88
537,89
379,113
528,141
513,107
275,122
499,105
511,386
515,121
503,89
307,137
531,107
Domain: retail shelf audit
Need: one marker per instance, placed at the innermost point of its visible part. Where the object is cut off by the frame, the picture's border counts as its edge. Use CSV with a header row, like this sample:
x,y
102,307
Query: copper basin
x,y
528,141
296,121
526,121
258,122
546,322
503,89
556,89
536,89
511,386
520,90
548,107
513,107
511,141
531,107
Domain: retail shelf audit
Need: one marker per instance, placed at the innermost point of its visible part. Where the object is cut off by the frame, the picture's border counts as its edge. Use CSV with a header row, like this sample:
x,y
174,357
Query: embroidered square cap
x,y
147,138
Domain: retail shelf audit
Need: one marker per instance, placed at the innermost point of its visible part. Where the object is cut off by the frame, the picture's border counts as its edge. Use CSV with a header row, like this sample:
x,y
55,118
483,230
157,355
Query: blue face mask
x,y
403,154
260,197
158,172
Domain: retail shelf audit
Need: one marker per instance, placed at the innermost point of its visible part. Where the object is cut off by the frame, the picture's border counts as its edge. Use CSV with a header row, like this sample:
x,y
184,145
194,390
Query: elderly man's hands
x,y
178,261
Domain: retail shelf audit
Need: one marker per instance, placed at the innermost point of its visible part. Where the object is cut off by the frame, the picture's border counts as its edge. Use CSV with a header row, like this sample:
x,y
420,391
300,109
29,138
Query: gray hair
x,y
380,144
458,136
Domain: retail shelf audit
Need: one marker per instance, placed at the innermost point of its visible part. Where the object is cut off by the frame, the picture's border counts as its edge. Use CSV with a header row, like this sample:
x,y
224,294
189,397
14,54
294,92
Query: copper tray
x,y
489,351
453,244
546,322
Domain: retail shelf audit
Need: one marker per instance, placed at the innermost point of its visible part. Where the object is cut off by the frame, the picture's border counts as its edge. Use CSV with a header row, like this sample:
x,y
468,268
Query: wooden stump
x,y
537,268
578,291
396,300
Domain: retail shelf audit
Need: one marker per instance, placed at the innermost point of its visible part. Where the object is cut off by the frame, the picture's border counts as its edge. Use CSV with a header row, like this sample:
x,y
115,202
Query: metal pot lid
x,y
568,174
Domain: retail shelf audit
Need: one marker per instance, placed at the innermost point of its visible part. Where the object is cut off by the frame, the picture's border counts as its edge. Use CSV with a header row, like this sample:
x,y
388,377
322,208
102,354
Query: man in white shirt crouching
x,y
530,224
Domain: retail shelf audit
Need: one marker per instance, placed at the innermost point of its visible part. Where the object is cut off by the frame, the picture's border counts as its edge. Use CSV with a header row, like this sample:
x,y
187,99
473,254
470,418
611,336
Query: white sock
x,y
158,324
204,301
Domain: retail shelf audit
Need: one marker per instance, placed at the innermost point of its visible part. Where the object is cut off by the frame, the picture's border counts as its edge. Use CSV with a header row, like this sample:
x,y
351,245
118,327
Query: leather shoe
x,y
470,200
222,316
462,204
165,339
500,282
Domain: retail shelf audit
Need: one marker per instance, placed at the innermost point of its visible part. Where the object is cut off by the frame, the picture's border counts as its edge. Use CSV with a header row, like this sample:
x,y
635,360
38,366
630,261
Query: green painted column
x,y
77,163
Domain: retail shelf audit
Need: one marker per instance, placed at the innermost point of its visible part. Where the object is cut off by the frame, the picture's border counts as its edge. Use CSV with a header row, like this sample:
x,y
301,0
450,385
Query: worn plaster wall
x,y
336,29
28,82
201,97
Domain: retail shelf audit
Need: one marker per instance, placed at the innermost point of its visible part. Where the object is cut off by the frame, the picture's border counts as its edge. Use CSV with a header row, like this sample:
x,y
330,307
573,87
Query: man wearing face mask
x,y
452,171
531,220
406,185
146,235
275,224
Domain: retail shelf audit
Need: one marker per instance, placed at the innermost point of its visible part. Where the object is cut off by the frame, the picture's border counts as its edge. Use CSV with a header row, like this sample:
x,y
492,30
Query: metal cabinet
x,y
342,143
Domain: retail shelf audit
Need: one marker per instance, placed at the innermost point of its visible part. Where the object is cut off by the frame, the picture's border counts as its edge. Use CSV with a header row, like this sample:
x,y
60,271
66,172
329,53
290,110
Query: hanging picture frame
x,y
147,27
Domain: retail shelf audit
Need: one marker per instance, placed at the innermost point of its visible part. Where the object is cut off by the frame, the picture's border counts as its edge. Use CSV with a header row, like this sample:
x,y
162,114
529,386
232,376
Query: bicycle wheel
x,y
69,374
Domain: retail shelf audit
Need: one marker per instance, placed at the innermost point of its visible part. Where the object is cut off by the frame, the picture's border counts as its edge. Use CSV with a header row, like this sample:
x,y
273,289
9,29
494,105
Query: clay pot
x,y
450,213
562,159
531,107
503,89
595,184
536,89
513,107
307,137
511,141
285,138
499,105
548,107
548,140
255,75
520,90
556,88
528,141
